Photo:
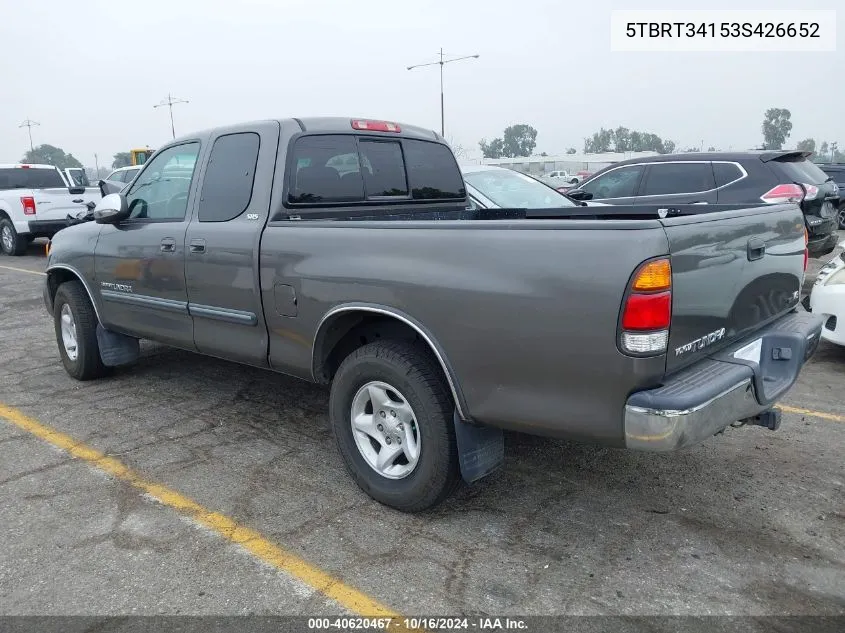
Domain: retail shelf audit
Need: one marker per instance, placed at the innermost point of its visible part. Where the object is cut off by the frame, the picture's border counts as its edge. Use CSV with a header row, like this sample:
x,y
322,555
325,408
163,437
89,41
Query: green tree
x,y
519,140
807,145
711,149
50,155
776,127
668,146
622,139
493,149
121,159
571,150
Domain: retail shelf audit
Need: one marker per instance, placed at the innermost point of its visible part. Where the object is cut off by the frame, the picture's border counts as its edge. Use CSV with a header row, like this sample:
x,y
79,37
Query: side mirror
x,y
112,209
579,194
76,191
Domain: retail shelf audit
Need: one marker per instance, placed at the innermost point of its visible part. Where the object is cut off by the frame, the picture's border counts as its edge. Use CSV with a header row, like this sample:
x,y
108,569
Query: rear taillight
x,y
647,312
789,193
28,203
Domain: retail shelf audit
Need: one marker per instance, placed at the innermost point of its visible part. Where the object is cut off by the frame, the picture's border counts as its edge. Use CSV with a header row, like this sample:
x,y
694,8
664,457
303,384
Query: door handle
x,y
197,246
756,248
168,245
78,200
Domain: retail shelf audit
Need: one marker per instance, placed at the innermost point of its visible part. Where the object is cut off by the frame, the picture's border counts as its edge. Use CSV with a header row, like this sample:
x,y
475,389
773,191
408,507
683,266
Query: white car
x,y
123,175
828,299
35,201
490,187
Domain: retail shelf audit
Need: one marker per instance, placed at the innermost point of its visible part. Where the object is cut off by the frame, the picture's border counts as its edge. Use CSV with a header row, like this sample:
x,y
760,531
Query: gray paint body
x,y
523,314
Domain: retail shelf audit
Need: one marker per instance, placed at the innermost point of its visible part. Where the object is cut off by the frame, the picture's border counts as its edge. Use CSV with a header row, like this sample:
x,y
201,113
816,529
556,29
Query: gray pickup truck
x,y
343,252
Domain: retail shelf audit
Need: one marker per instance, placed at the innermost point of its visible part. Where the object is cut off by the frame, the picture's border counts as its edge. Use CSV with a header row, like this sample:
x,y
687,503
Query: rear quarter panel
x,y
525,313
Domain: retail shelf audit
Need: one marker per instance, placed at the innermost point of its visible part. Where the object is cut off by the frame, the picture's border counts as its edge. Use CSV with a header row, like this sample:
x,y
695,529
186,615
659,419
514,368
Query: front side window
x,y
229,177
161,191
617,183
510,189
678,178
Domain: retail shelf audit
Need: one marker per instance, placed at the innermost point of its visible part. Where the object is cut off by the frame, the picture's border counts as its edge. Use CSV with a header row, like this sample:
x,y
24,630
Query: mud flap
x,y
481,450
117,349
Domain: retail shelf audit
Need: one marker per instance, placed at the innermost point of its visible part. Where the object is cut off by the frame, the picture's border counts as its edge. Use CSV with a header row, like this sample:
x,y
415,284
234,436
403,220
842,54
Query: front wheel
x,y
75,323
392,416
11,242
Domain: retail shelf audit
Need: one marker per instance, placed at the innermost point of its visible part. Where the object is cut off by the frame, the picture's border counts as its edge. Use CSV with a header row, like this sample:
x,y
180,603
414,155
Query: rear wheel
x,y
11,243
391,413
75,323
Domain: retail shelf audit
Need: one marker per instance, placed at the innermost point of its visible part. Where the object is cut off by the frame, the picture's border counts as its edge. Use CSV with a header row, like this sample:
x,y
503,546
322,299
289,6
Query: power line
x,y
29,125
170,102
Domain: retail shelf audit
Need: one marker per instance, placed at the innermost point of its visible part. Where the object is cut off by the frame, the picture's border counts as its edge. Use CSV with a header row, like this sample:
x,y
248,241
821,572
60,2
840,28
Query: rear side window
x,y
30,178
677,178
433,172
725,173
229,177
800,170
338,168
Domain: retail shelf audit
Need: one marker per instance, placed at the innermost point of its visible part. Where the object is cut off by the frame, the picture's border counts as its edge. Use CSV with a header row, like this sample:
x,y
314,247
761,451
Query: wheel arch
x,y
336,332
57,274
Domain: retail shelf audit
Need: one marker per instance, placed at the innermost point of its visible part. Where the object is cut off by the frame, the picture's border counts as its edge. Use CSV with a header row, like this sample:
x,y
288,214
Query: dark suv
x,y
837,172
724,178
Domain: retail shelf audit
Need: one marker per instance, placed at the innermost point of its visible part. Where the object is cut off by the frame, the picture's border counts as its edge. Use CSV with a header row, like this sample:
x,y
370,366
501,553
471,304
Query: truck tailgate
x,y
733,272
55,204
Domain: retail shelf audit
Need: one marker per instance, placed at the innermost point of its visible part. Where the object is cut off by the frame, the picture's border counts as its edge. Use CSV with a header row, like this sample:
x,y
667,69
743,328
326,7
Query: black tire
x,y
841,216
18,244
87,365
418,377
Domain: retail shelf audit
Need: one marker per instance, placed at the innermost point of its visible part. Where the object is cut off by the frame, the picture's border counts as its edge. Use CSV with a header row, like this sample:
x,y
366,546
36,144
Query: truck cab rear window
x,y
338,168
30,178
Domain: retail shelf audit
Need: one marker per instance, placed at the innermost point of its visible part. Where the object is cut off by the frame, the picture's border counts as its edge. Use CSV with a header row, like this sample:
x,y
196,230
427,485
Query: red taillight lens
x,y
28,203
647,312
375,126
784,193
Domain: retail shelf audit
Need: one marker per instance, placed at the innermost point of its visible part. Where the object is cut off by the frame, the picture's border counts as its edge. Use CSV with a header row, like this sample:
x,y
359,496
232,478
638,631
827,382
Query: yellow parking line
x,y
816,414
252,541
23,270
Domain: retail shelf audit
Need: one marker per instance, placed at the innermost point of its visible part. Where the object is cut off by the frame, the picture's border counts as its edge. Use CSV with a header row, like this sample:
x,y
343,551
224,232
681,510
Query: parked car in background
x,y
563,175
837,172
490,187
34,202
732,178
827,299
121,176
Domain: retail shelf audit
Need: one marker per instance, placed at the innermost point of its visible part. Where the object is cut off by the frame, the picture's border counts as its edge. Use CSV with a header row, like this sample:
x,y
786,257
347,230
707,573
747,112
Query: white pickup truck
x,y
35,201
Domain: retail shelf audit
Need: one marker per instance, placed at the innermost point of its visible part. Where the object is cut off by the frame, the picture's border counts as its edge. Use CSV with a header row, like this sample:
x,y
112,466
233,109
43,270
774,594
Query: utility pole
x,y
170,102
443,61
833,147
29,124
96,166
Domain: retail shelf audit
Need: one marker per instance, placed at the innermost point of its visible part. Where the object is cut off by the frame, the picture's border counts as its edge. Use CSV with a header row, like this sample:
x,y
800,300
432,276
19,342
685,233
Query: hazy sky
x,y
90,71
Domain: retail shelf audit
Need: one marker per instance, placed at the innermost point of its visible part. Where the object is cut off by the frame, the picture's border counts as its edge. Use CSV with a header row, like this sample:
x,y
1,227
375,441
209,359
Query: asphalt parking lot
x,y
750,523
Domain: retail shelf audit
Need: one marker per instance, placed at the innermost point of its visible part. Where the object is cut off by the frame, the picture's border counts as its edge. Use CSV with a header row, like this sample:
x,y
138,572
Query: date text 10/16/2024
x,y
418,623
